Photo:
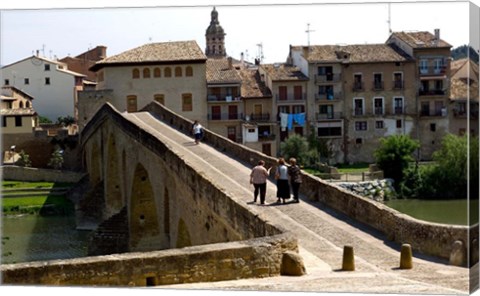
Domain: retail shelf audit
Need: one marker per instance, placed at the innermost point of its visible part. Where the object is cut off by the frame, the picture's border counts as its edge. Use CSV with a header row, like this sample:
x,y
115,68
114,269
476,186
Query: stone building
x,y
16,109
172,73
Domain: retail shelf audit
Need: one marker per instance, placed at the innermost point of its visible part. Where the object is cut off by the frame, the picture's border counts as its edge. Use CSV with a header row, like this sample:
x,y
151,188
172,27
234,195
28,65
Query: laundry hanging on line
x,y
287,120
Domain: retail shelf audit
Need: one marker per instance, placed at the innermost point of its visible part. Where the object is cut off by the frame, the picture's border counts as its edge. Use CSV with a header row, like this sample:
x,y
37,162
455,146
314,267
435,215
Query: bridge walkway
x,y
322,234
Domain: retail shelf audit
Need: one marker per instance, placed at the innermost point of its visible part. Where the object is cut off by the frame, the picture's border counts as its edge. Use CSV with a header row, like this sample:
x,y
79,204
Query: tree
x,y
394,155
43,119
296,146
65,121
24,160
56,161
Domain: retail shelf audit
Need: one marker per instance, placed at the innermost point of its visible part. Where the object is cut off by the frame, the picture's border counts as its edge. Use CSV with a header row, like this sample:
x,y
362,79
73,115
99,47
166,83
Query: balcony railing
x,y
225,116
432,70
258,117
358,111
215,98
398,84
434,92
437,113
377,85
290,98
378,111
358,86
327,78
329,97
331,115
268,137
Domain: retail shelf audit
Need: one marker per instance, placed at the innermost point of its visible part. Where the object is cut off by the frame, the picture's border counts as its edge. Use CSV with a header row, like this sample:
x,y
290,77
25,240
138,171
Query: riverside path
x,y
322,235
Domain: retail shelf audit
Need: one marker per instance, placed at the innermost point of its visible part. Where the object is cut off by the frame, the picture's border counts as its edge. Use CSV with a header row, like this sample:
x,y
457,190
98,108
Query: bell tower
x,y
215,37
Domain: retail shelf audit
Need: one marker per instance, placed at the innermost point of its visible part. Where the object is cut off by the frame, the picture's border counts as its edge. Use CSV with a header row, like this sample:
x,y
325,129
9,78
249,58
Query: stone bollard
x,y
406,257
348,263
458,254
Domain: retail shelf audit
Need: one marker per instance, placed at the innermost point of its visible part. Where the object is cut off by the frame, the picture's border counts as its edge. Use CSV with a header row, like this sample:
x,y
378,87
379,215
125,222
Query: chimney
x,y
437,36
38,52
230,66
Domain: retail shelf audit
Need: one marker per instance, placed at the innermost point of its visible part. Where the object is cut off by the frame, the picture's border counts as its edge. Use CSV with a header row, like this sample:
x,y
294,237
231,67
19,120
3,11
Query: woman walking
x,y
258,177
281,174
295,178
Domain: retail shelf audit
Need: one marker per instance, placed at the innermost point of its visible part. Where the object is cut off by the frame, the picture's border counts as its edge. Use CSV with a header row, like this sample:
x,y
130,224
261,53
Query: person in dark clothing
x,y
258,177
295,178
281,175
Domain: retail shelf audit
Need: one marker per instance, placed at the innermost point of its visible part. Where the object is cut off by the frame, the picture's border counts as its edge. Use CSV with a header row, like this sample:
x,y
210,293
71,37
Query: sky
x,y
58,28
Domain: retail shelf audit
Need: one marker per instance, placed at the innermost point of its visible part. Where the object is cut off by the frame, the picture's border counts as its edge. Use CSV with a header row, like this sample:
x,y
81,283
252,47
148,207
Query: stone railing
x,y
256,258
36,174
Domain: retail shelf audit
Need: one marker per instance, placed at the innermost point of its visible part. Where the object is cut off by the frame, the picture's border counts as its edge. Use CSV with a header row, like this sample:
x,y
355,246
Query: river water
x,y
39,238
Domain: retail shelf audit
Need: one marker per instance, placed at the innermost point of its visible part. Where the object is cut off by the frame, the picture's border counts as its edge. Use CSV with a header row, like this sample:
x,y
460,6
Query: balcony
x,y
290,99
398,84
216,99
266,137
329,97
225,116
258,117
358,86
327,116
327,78
434,92
432,71
433,113
377,85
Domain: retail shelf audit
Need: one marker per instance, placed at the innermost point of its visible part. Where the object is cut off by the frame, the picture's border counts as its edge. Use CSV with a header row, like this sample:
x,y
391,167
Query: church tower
x,y
215,37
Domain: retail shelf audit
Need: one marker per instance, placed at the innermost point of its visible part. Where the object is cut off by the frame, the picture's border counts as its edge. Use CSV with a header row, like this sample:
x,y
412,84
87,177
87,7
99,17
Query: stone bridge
x,y
151,188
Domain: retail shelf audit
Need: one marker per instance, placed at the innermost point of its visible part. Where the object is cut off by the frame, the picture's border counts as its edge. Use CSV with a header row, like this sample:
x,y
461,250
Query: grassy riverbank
x,y
45,198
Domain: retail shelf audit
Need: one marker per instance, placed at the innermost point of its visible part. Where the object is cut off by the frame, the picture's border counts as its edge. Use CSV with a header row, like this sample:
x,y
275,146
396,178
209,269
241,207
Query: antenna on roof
x,y
308,33
260,52
389,21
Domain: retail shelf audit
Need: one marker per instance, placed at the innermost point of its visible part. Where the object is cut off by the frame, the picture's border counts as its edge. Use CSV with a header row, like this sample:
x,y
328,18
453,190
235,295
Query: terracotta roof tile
x,y
422,39
459,89
282,72
220,71
157,52
252,85
359,53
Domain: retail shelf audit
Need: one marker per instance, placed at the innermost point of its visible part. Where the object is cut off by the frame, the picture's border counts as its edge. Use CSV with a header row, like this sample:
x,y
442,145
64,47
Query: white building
x,y
52,85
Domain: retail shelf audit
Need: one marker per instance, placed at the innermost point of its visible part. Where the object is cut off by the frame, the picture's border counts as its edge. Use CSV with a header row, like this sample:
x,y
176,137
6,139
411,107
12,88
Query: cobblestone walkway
x,y
322,234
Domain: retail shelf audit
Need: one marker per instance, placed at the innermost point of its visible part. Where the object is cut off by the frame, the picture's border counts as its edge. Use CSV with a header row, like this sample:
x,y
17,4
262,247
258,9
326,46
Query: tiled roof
x,y
459,89
422,39
156,52
359,53
18,111
464,68
282,72
220,71
252,85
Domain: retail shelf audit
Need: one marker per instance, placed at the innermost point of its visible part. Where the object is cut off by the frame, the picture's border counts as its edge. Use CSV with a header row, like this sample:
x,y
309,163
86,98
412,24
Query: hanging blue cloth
x,y
290,121
299,118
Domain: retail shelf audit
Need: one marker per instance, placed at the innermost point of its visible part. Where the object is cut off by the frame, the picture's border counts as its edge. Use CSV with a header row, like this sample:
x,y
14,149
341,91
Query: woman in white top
x,y
283,188
197,131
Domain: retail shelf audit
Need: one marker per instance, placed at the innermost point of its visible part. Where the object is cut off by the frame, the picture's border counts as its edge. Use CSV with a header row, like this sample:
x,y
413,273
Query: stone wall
x,y
256,258
38,175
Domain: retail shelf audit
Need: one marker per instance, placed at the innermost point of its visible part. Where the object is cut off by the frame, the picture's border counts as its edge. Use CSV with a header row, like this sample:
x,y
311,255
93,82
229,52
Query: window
x,y
26,81
157,72
360,125
135,73
399,123
282,92
439,108
189,71
357,82
378,106
216,112
187,104
425,108
47,67
437,66
379,124
438,85
146,73
423,66
358,141
232,133
160,98
18,120
4,121
433,127
298,109
297,92
329,131
326,111
398,105
168,72
178,71
358,106
47,80
131,103
326,71
232,112
7,82
20,105
377,81
27,104
397,80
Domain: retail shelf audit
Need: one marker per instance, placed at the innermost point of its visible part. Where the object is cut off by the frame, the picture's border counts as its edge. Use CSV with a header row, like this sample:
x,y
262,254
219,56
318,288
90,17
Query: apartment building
x,y
432,56
464,97
171,73
53,85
